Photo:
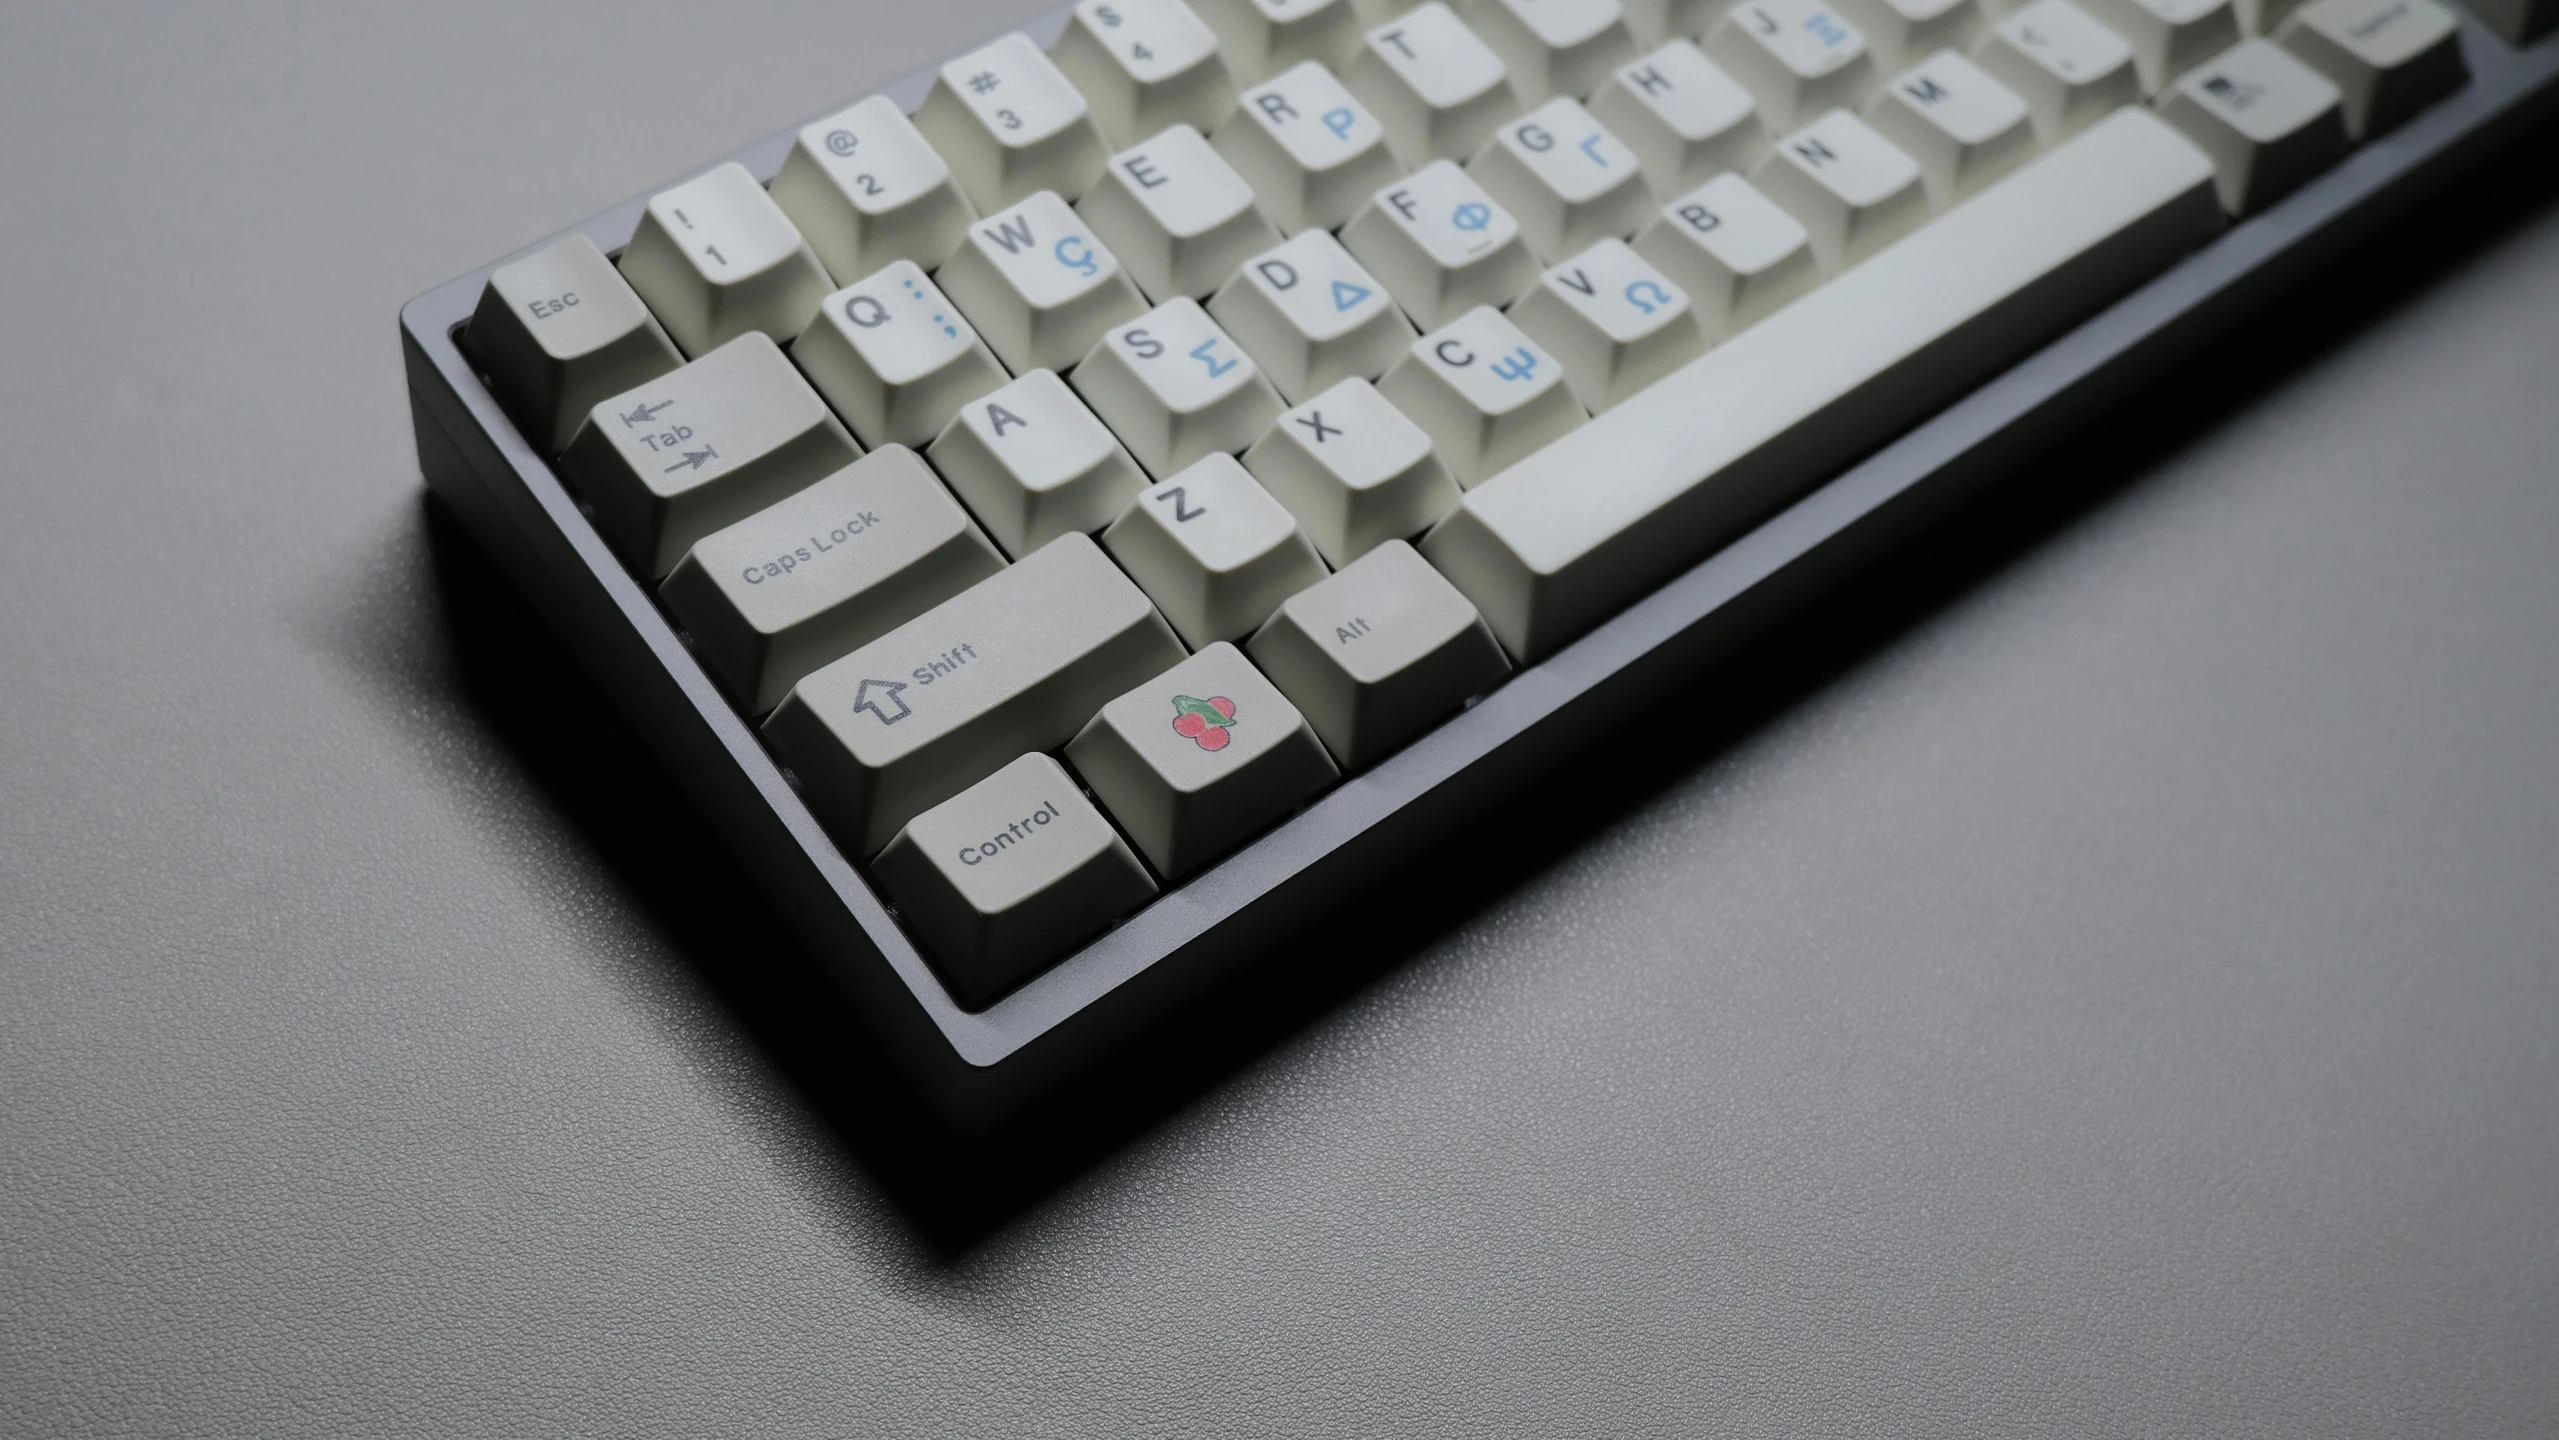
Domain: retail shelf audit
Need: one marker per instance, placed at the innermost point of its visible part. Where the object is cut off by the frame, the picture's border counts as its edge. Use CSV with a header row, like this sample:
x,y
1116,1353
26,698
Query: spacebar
x,y
1576,531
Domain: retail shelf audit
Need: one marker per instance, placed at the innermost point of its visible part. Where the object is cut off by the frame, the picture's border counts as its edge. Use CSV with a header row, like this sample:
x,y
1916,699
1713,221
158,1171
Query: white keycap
x,y
1310,151
1852,189
1686,120
1009,124
852,557
1213,550
1797,58
1145,65
1037,284
1899,32
1176,214
1007,876
1032,463
1554,47
2169,37
1615,322
1487,395
1175,388
1434,84
699,448
1964,128
2262,17
1199,758
894,357
1566,180
1310,316
1606,513
2388,58
2269,122
1654,22
1441,245
1736,253
865,189
558,331
1354,470
715,258
1378,653
2071,71
1262,38
1017,662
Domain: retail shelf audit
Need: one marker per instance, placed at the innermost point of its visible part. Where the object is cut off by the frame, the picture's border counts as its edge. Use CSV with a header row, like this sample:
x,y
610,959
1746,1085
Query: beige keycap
x,y
1175,388
1213,550
1038,284
1963,127
1310,151
1854,191
1899,32
715,258
1686,120
866,189
1433,83
1568,181
2269,122
1487,395
1354,470
1553,47
1311,316
894,357
2388,58
1441,244
1010,125
2169,37
1032,463
2071,71
1736,254
1262,38
1177,215
1797,58
1144,66
558,331
1614,321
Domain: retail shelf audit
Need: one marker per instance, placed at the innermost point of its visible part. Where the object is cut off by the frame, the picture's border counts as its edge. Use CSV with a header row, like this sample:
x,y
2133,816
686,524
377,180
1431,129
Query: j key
x,y
1010,125
1378,653
1032,463
1554,47
1199,758
1311,316
1568,182
1487,395
1144,65
1310,151
2071,71
794,585
1213,550
1736,253
1435,85
1038,286
1899,32
1614,320
715,258
1176,214
1176,388
1008,875
1852,189
1797,58
1265,37
1686,120
2388,58
2169,37
1441,245
1017,662
865,189
894,357
701,447
558,331
2268,121
1354,470
1964,128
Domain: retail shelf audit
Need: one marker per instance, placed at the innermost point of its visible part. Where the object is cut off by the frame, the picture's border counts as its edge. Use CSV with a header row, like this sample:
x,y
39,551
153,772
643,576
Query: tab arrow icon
x,y
888,694
646,414
693,459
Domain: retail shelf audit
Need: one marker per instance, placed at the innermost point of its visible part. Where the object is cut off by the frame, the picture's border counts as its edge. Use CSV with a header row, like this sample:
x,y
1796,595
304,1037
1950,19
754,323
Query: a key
x,y
1354,470
1037,284
1686,120
1311,316
715,258
1310,151
1655,22
1614,321
1175,388
1263,38
1008,875
1015,663
1964,128
1441,245
1434,84
1009,125
1378,653
701,447
2169,37
1144,66
1554,47
558,331
865,189
1213,550
1734,252
1487,395
1032,463
1566,180
791,587
2071,71
2268,121
1797,58
2388,58
1200,758
1852,189
894,357
1900,32
1176,214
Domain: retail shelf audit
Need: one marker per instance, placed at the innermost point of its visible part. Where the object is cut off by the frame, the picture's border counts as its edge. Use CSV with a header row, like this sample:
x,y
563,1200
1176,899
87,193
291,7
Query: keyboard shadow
x,y
529,688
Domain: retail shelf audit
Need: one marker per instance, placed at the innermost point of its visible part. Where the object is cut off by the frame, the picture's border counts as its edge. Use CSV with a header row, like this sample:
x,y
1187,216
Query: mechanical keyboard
x,y
1074,515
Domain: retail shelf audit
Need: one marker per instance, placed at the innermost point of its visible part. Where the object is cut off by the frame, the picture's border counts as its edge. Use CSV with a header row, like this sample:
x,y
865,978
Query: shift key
x,y
1016,663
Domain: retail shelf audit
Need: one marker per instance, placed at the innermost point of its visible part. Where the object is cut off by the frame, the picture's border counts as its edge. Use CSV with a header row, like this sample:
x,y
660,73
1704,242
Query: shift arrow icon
x,y
646,414
888,695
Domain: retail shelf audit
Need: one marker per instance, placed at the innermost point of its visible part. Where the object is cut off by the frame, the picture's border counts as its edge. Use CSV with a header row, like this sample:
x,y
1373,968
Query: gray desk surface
x,y
2100,975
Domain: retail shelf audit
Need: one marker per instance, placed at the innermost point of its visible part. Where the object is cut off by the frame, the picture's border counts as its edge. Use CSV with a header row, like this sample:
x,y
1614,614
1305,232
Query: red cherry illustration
x,y
1212,738
1190,725
1224,706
